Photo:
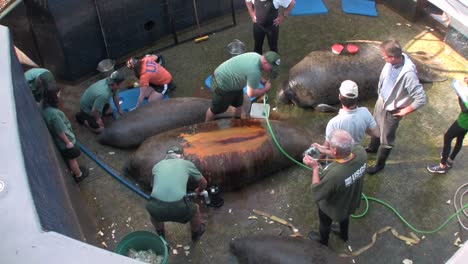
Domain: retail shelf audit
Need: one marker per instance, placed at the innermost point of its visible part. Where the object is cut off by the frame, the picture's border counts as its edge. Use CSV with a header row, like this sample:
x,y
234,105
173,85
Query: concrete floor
x,y
418,195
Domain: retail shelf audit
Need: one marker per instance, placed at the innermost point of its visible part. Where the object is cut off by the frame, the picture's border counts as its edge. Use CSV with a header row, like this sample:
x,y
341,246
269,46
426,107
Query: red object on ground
x,y
352,49
337,48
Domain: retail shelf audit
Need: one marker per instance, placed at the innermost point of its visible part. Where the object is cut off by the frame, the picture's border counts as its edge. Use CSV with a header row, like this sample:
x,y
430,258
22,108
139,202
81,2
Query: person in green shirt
x,y
457,130
231,76
38,80
168,201
96,98
61,131
337,188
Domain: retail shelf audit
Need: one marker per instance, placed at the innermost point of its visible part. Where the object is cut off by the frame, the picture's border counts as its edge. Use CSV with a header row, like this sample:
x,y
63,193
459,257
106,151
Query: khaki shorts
x,y
179,211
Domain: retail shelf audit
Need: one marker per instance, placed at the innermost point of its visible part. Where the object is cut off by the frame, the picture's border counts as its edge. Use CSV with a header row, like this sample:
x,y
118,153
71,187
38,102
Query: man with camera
x,y
337,188
168,198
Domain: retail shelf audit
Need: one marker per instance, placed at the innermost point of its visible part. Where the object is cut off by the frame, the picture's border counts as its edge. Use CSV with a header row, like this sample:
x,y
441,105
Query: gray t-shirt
x,y
355,122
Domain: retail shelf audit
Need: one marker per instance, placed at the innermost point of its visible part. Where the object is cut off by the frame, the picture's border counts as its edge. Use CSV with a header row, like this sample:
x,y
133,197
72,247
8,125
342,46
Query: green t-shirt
x,y
96,97
57,122
32,77
233,74
463,118
338,193
170,177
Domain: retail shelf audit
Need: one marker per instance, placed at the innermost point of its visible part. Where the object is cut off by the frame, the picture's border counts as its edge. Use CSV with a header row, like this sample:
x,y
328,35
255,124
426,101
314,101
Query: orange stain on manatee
x,y
236,139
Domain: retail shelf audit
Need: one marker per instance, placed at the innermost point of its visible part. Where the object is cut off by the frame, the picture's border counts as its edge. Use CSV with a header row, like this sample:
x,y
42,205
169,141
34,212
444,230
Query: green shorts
x,y
220,101
178,211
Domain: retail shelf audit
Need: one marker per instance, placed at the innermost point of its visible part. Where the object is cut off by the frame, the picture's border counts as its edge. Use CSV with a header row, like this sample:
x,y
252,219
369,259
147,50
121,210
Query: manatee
x,y
136,126
280,249
230,153
315,80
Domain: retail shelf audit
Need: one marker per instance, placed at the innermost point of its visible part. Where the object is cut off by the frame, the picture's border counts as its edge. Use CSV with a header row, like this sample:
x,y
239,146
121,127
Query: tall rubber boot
x,y
382,156
373,145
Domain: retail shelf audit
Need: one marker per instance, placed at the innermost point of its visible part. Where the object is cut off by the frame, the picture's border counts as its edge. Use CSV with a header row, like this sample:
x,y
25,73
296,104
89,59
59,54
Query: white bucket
x,y
257,110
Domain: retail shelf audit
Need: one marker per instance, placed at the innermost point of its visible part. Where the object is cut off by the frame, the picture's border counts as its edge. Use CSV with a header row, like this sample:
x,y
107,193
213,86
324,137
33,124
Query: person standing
x,y
337,188
96,98
232,75
155,80
357,121
61,131
400,93
38,79
266,20
168,202
457,130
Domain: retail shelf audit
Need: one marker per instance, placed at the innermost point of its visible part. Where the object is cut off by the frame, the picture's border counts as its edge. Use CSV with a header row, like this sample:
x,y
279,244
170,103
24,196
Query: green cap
x,y
116,77
175,150
274,60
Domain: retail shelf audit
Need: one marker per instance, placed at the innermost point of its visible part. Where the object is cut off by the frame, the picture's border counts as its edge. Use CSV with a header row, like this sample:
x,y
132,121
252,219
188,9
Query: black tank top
x,y
265,12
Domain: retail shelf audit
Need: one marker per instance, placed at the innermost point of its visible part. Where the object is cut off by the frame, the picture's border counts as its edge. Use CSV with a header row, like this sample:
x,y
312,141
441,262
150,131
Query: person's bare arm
x,y
258,92
201,185
307,160
65,139
373,132
117,104
250,9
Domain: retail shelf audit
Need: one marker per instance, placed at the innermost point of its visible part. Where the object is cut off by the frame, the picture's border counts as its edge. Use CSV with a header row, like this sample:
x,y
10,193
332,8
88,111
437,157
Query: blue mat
x,y
208,86
128,100
359,7
309,7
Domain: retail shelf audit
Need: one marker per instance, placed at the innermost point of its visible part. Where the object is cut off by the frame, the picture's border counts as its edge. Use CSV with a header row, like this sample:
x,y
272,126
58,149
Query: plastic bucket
x,y
106,67
236,47
143,240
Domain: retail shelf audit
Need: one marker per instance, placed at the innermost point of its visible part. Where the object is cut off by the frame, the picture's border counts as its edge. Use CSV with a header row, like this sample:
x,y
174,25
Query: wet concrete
x,y
418,195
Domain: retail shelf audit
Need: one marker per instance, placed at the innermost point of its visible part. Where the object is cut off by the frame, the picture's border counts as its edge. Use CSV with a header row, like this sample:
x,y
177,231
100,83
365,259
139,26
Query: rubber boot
x,y
373,145
382,156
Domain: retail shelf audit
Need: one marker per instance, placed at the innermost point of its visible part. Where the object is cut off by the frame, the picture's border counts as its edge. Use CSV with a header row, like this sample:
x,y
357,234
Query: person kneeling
x,y
167,203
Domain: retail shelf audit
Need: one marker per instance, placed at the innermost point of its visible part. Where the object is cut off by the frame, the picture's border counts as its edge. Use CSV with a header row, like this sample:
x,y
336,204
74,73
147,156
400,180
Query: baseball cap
x,y
349,89
175,150
274,60
115,77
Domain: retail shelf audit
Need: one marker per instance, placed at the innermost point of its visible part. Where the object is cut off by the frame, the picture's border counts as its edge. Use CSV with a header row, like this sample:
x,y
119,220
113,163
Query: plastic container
x,y
236,47
106,67
143,240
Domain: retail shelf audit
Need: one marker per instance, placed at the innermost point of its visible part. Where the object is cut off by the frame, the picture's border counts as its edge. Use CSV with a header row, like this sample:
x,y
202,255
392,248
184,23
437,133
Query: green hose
x,y
364,197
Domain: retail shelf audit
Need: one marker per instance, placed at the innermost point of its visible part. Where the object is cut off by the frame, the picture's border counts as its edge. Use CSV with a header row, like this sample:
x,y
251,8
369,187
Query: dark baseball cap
x,y
116,77
274,60
175,150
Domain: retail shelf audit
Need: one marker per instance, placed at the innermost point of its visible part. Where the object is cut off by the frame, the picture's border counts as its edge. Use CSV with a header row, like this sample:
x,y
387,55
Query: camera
x,y
313,152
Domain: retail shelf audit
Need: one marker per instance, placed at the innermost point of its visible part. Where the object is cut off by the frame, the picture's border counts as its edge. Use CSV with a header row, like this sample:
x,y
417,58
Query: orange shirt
x,y
153,73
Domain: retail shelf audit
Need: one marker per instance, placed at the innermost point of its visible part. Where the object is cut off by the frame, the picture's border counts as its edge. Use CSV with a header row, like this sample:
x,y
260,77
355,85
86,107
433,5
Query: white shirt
x,y
276,3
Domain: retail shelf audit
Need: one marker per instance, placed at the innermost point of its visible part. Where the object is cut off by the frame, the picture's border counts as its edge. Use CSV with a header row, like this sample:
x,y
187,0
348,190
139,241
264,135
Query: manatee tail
x,y
430,69
324,108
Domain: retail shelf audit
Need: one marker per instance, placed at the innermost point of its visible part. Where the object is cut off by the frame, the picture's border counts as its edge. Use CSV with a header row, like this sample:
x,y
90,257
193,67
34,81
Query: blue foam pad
x,y
128,100
208,86
308,7
359,7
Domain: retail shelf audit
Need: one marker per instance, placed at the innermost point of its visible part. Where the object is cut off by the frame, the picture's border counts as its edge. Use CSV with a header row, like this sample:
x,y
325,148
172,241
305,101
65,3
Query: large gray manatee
x,y
153,118
230,152
316,79
281,250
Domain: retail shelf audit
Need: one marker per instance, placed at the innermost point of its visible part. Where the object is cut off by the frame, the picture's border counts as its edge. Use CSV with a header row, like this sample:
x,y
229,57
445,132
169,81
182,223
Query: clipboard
x,y
461,90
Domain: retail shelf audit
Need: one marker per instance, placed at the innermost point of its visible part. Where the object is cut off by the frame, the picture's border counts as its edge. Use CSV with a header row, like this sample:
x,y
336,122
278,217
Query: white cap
x,y
349,89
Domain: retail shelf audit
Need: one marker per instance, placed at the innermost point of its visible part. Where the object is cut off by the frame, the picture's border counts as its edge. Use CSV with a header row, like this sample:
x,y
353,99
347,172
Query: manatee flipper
x,y
430,69
325,108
